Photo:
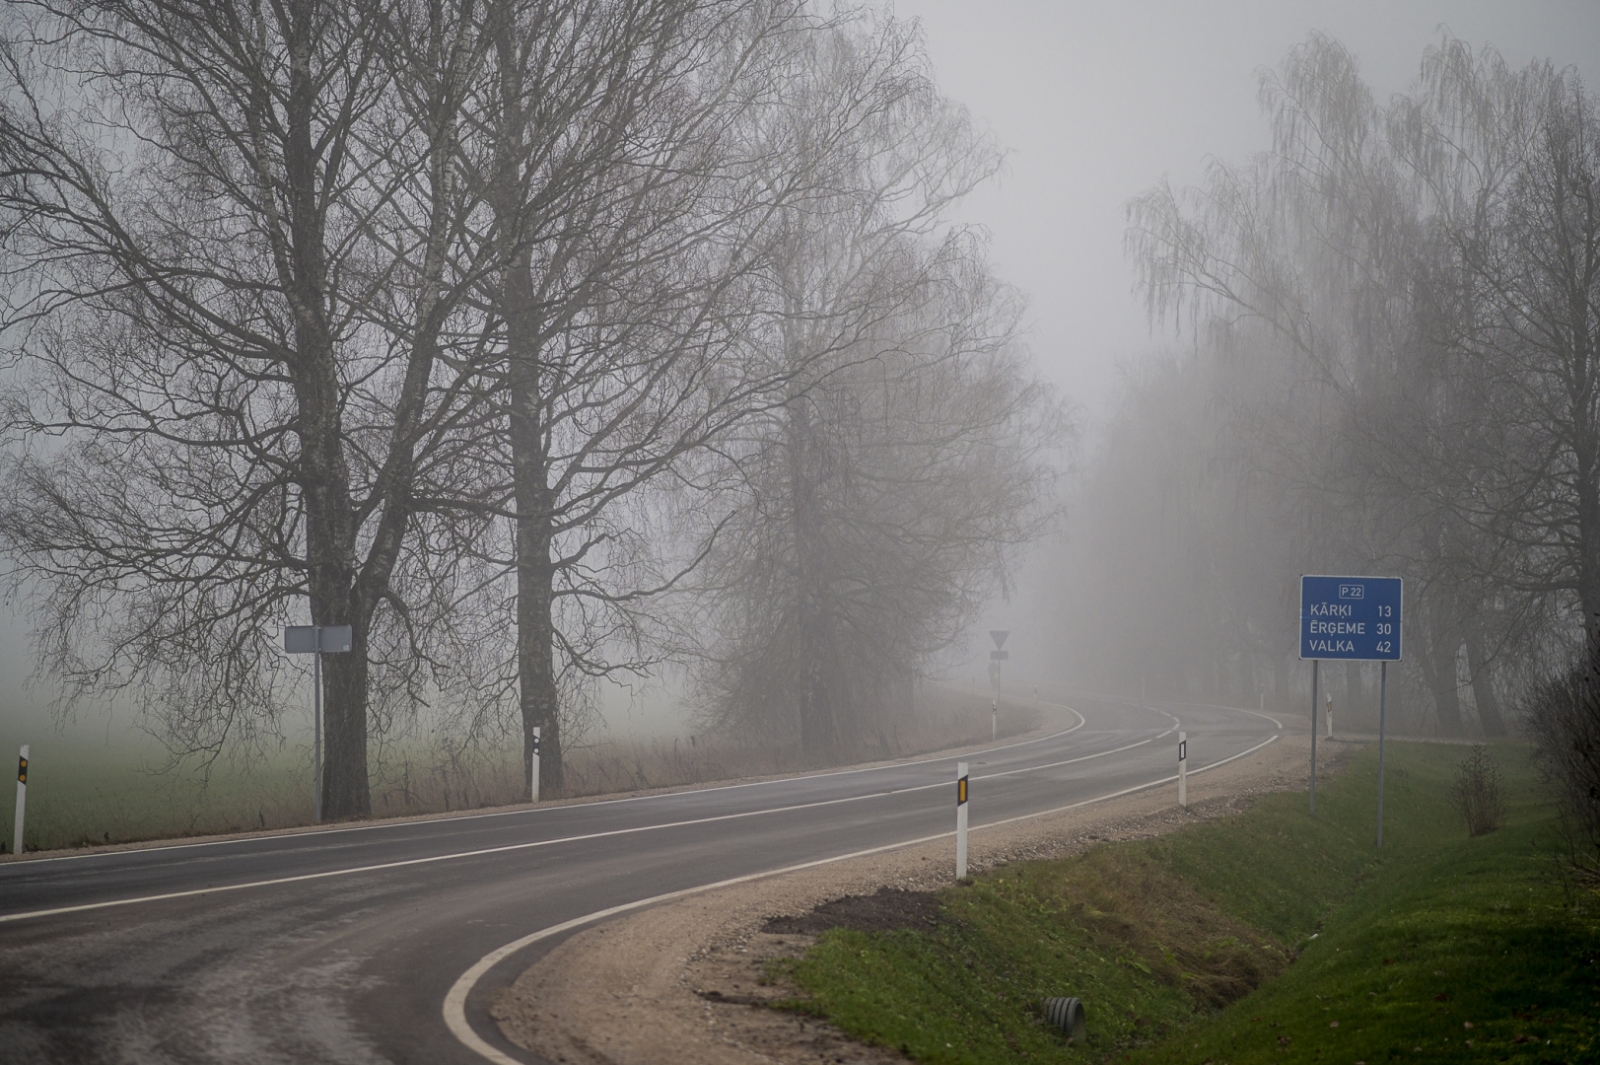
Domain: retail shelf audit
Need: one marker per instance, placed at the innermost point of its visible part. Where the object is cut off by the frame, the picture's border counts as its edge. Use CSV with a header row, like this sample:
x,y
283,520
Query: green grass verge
x,y
81,792
1165,939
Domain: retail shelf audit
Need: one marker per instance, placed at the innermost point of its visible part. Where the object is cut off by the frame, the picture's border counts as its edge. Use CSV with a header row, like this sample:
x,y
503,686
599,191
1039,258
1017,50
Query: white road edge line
x,y
330,831
327,873
455,1001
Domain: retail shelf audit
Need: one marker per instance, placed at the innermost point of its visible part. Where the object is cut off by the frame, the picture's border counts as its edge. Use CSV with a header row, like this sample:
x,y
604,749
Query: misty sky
x,y
1099,100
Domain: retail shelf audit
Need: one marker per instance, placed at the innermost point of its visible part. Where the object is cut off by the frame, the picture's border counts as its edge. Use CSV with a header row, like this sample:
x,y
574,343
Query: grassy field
x,y
83,792
1269,937
120,785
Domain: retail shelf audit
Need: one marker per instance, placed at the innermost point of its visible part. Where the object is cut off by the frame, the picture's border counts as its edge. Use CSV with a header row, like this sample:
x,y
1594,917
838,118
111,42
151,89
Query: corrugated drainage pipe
x,y
1067,1015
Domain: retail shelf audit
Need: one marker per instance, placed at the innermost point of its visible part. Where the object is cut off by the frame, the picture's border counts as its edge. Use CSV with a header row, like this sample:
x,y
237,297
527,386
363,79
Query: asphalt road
x,y
343,945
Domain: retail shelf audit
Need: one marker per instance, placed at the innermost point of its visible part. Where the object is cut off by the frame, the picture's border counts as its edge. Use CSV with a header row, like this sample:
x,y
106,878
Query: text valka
x,y
1334,628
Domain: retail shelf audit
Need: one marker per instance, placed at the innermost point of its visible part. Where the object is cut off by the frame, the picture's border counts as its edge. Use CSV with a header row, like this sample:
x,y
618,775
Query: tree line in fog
x,y
539,341
1389,363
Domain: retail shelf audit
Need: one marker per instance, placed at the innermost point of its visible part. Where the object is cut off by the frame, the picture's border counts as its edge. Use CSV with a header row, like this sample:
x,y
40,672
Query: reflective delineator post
x,y
533,767
994,720
1183,769
22,798
1330,715
961,820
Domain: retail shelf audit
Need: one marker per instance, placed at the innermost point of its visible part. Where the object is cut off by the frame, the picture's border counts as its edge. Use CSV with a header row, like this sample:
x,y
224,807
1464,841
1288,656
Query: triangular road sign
x,y
999,637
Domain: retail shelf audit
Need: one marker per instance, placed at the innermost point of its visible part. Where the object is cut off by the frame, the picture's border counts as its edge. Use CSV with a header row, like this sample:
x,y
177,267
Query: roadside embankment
x,y
1264,937
673,984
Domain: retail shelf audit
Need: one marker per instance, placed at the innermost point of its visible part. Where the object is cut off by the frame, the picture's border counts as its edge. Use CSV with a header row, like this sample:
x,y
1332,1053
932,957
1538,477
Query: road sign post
x,y
22,799
1183,770
1354,619
1383,691
316,640
961,820
996,657
1314,665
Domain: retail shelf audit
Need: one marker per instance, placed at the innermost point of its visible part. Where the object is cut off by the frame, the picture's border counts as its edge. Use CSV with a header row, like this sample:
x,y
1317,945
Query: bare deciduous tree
x,y
881,501
233,248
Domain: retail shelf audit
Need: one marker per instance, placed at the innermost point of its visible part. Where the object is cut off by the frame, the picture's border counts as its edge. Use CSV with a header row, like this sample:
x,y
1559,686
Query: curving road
x,y
382,943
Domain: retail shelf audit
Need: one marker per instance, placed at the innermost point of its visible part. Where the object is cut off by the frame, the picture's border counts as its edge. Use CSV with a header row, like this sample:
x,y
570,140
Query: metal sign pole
x,y
22,799
1350,619
317,640
316,723
961,820
1314,664
1383,693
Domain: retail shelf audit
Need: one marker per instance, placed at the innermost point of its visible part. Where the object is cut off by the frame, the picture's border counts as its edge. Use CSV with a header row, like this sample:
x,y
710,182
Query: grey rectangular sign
x,y
305,639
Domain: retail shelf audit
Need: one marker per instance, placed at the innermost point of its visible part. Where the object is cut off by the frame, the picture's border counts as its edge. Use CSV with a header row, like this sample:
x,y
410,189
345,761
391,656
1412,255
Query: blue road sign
x,y
1352,618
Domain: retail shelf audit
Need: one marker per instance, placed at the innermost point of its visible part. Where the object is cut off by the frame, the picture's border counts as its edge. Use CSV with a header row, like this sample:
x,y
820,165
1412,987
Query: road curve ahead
x,y
382,943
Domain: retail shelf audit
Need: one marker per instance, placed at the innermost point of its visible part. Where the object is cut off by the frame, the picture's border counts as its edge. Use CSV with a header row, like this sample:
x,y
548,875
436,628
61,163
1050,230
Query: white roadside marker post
x,y
994,720
1330,715
1183,770
22,798
961,820
533,767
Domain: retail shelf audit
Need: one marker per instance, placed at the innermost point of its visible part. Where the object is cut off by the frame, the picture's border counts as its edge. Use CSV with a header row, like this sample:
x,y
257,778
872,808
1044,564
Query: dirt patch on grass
x,y
885,910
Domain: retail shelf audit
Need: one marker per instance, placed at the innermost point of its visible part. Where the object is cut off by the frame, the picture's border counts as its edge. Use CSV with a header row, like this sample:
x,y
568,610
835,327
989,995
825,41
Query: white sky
x,y
1098,100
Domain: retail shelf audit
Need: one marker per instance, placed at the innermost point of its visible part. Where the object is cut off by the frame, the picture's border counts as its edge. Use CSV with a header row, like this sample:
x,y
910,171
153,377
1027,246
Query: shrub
x,y
1478,794
1563,718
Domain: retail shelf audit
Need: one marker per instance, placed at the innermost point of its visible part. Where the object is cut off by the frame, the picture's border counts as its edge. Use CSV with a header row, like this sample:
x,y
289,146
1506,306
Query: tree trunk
x,y
536,679
1483,686
330,564
325,487
1439,670
538,701
817,697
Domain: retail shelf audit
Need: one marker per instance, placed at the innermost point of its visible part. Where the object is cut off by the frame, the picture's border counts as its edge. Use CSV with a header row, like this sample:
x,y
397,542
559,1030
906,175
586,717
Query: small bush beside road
x,y
1478,792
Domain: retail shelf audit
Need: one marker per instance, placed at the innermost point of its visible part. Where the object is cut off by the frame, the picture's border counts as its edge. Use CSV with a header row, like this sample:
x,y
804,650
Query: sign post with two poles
x,y
1351,619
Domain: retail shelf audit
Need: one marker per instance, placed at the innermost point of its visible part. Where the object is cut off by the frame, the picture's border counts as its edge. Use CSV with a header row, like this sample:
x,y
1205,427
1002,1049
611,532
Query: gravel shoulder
x,y
676,983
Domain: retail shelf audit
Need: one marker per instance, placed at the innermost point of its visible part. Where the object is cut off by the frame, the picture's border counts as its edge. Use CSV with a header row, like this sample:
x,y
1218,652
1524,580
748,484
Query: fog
x,y
1136,451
